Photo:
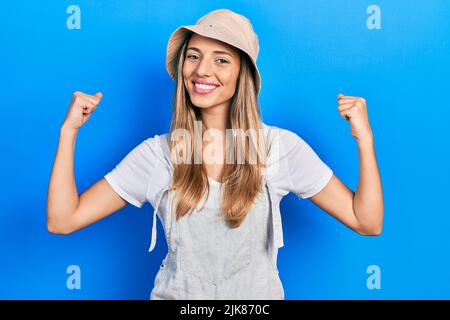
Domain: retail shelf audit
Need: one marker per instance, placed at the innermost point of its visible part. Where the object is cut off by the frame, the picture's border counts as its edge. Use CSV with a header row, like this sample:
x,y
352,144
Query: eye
x,y
195,57
191,55
225,61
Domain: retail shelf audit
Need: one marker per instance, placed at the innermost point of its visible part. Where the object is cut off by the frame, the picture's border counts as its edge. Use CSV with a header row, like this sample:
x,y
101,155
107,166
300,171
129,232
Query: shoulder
x,y
155,144
281,139
158,164
151,155
162,140
159,146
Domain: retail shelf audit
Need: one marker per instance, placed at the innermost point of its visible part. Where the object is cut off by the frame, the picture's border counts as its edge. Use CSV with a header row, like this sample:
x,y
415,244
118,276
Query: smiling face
x,y
210,72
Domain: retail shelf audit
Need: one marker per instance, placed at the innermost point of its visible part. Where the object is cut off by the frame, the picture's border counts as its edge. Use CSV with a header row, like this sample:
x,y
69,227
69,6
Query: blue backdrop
x,y
395,54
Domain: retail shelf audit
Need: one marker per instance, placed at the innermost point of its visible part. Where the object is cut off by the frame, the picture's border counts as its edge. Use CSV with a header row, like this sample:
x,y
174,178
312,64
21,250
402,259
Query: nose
x,y
204,68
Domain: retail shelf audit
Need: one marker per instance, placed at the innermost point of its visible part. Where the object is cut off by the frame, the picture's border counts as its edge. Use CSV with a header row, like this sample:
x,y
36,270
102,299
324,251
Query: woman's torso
x,y
207,259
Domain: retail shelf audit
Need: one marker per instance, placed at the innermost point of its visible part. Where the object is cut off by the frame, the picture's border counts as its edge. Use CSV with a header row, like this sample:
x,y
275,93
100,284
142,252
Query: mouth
x,y
202,88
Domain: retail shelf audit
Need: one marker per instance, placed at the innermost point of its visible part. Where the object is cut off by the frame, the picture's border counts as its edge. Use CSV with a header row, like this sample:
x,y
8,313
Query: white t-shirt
x,y
143,174
298,169
218,262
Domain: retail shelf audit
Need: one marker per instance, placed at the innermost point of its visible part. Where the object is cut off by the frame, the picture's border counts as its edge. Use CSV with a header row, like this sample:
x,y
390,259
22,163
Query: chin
x,y
203,105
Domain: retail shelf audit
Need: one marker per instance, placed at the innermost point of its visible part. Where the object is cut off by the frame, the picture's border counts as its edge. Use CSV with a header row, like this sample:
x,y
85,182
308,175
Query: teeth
x,y
204,86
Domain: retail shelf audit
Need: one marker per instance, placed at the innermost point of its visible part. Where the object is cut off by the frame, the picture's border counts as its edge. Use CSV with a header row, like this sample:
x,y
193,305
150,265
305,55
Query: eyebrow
x,y
217,51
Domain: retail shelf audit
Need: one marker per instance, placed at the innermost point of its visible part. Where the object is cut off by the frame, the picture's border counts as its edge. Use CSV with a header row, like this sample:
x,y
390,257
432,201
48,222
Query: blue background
x,y
309,52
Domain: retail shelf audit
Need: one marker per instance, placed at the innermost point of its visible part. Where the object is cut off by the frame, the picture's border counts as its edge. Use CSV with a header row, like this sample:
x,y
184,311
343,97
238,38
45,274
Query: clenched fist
x,y
80,109
354,110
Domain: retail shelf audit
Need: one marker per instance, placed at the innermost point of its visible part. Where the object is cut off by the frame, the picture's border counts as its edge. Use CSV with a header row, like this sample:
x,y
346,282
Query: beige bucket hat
x,y
224,25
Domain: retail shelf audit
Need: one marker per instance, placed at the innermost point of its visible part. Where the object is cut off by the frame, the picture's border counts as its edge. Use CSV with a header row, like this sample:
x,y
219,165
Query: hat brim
x,y
178,37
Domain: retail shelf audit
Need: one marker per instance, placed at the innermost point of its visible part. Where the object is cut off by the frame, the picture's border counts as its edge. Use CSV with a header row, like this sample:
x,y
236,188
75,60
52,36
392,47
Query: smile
x,y
203,88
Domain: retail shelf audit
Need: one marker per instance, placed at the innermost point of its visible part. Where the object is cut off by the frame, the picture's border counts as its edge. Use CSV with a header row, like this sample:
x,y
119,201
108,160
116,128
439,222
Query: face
x,y
210,72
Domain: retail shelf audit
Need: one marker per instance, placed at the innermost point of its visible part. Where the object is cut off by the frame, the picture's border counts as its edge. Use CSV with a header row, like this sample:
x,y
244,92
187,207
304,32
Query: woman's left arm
x,y
362,211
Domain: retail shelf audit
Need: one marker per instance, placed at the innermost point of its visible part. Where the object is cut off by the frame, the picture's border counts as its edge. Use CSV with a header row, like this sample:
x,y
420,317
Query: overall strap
x,y
276,240
158,201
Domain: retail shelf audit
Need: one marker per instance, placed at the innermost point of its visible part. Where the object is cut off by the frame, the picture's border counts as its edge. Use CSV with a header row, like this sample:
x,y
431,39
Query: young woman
x,y
217,178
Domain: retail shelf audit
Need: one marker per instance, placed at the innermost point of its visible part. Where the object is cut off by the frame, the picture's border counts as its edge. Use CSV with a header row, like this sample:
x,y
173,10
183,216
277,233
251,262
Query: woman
x,y
217,178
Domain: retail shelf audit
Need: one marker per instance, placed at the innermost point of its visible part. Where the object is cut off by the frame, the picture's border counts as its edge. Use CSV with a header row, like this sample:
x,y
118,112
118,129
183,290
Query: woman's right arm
x,y
66,210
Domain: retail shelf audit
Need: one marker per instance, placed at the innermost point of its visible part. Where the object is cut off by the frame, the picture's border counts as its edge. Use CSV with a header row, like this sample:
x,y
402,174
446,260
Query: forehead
x,y
205,43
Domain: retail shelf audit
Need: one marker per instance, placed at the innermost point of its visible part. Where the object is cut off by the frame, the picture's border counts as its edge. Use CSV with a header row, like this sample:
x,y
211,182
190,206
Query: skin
x,y
361,211
66,210
203,62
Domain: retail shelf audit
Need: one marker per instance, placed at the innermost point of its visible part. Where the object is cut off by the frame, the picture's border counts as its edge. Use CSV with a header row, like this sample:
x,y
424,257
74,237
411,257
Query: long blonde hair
x,y
243,181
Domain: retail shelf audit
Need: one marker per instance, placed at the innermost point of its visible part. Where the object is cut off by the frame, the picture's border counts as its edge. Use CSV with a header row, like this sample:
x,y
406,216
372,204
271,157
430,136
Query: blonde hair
x,y
242,182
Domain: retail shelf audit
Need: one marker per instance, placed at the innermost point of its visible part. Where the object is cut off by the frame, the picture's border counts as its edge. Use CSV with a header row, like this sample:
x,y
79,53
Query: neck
x,y
216,118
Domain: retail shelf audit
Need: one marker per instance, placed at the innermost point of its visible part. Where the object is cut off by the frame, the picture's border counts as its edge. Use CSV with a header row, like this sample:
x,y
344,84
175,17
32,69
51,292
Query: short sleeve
x,y
130,178
299,169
